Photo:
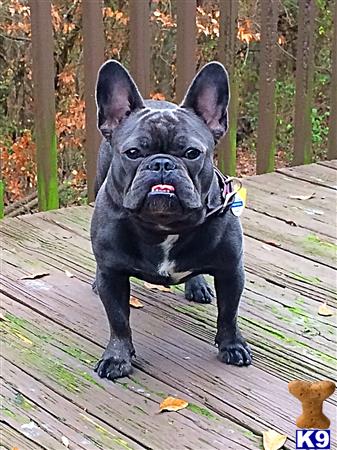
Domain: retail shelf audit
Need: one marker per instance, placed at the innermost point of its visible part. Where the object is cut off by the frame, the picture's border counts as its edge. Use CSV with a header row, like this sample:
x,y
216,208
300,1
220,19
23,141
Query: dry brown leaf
x,y
135,303
324,310
172,404
69,274
303,197
272,440
34,276
158,287
65,441
15,448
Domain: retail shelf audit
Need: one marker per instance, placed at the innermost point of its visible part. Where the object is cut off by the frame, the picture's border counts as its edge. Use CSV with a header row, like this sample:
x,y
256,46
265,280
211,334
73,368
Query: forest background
x,y
16,91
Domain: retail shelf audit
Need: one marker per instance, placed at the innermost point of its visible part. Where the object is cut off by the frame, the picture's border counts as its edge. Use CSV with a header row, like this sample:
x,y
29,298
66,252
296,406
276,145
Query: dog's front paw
x,y
197,290
236,352
115,363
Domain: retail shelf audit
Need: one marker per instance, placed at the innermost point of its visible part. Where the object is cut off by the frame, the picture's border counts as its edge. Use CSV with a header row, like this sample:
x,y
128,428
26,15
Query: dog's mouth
x,y
163,189
161,200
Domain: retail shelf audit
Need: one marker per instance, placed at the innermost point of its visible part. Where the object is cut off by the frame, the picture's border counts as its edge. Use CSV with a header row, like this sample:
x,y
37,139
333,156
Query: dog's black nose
x,y
161,164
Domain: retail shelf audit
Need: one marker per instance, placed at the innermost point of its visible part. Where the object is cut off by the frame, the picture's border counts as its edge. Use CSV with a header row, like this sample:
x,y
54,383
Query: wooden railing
x,y
140,42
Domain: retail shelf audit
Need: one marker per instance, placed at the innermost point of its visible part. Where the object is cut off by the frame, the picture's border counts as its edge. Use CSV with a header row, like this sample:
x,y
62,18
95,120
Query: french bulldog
x,y
159,213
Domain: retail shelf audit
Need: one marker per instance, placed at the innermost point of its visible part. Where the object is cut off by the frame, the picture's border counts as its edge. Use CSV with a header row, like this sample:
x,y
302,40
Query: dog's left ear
x,y
208,97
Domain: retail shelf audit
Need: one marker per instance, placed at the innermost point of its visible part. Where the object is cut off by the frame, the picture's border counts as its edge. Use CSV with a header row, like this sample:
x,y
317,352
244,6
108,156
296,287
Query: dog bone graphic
x,y
312,396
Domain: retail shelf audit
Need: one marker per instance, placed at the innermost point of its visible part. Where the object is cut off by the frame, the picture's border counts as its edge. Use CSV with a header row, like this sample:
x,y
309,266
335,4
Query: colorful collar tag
x,y
239,202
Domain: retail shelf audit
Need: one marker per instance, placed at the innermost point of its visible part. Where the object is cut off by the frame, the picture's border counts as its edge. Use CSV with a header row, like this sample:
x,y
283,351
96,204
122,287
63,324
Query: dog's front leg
x,y
114,291
233,349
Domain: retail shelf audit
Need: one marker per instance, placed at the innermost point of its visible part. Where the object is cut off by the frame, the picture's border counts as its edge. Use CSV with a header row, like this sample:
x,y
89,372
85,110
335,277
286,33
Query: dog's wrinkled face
x,y
166,163
162,155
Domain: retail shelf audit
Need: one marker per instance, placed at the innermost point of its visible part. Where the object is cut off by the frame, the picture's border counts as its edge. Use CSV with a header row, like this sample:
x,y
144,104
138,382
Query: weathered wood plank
x,y
11,438
314,173
34,422
332,164
295,239
64,418
163,355
62,361
286,324
272,195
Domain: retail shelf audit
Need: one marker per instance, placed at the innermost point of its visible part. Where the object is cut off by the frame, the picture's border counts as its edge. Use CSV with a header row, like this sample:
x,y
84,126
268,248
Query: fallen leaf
x,y
324,310
303,197
135,303
15,448
69,274
65,441
34,276
158,287
172,404
272,440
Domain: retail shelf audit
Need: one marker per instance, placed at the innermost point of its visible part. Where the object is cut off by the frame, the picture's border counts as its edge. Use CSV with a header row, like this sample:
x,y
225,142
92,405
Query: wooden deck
x,y
54,329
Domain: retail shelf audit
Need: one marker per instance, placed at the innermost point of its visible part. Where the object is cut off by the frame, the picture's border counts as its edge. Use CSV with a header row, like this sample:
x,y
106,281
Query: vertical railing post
x,y
2,193
265,153
304,82
2,197
226,149
44,103
186,45
93,54
140,44
332,145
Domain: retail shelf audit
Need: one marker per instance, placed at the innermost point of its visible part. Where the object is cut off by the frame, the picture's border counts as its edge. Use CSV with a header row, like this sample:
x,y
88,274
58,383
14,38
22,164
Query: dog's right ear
x,y
117,96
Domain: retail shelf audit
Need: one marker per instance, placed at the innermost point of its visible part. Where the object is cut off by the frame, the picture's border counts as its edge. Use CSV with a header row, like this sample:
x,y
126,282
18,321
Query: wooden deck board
x,y
313,173
55,328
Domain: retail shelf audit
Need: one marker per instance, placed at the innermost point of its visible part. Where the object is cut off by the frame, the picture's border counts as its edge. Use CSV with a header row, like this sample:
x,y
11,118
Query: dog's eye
x,y
192,153
133,153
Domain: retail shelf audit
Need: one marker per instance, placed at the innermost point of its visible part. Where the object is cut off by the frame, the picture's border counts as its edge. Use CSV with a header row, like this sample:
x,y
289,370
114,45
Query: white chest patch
x,y
167,267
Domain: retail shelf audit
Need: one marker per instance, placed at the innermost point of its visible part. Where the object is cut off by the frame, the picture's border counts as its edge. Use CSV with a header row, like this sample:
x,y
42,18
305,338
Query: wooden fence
x,y
140,44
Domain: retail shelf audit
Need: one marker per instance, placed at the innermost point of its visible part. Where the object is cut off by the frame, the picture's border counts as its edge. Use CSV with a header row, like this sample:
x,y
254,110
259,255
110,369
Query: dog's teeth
x,y
162,188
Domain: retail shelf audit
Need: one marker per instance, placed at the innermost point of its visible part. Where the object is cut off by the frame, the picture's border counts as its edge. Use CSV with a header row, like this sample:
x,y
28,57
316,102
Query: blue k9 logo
x,y
312,439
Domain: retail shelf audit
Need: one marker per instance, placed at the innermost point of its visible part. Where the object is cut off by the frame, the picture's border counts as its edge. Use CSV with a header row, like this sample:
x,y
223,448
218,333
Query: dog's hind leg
x,y
197,290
